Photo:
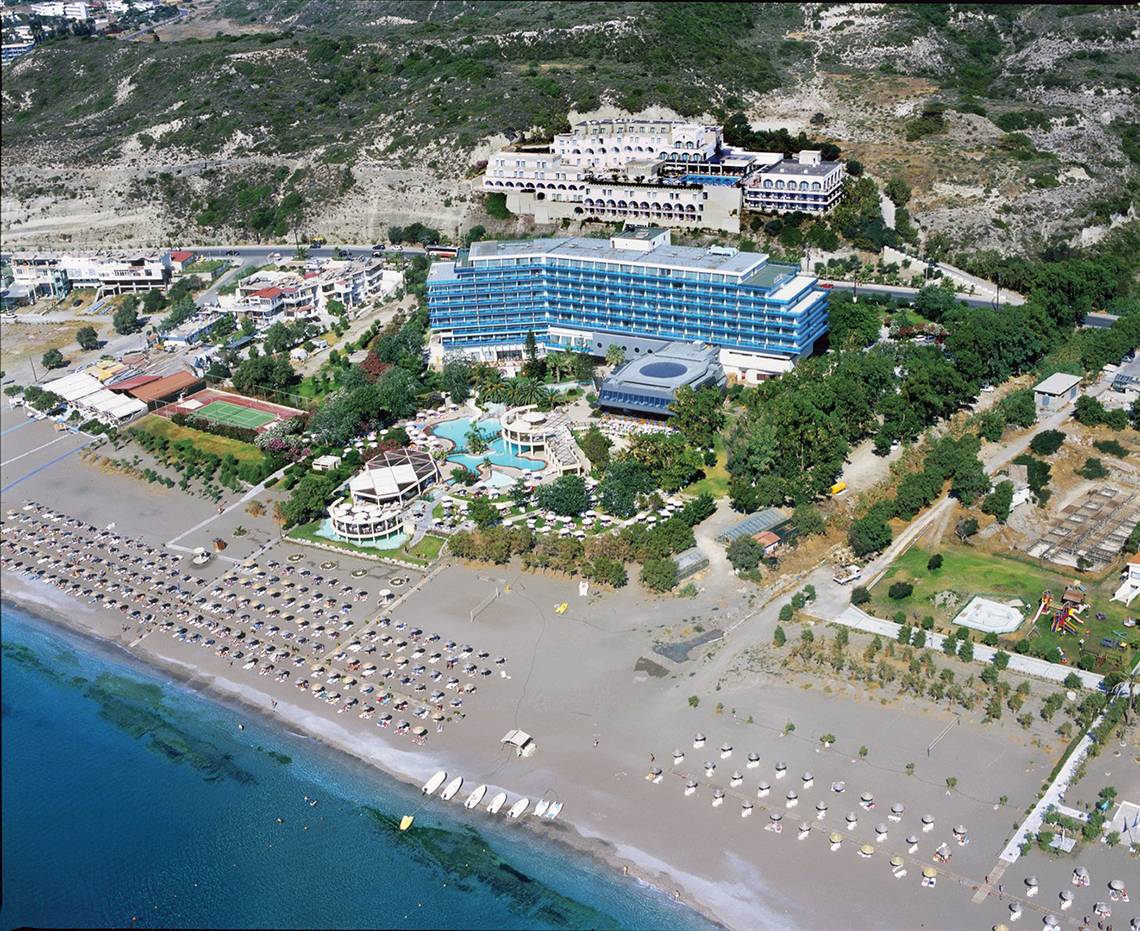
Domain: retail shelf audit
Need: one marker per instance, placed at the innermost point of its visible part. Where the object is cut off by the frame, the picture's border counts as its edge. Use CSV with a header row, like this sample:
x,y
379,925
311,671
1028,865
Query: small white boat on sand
x,y
452,787
540,807
553,810
518,808
497,802
434,783
475,797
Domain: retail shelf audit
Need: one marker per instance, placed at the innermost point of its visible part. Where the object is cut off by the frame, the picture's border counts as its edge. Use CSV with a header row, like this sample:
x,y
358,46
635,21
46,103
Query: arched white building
x,y
527,431
378,495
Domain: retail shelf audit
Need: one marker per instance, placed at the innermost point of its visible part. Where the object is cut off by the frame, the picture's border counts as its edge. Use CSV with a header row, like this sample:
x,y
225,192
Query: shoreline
x,y
564,834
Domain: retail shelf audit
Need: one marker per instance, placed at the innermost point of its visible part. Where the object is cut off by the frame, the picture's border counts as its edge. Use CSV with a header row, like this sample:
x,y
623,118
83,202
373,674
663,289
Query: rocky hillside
x,y
265,118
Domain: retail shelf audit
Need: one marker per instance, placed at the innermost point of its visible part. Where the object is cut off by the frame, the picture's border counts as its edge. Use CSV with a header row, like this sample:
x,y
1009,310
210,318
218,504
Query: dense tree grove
x,y
791,441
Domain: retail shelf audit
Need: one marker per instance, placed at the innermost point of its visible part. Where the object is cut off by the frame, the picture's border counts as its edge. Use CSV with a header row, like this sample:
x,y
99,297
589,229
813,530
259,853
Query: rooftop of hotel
x,y
789,167
683,257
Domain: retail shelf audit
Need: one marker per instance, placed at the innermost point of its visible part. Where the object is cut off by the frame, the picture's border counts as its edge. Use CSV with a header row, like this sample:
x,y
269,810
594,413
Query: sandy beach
x,y
604,708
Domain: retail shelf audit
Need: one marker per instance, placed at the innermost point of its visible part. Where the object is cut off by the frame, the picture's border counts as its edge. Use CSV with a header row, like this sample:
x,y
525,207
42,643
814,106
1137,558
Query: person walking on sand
x,y
652,758
595,742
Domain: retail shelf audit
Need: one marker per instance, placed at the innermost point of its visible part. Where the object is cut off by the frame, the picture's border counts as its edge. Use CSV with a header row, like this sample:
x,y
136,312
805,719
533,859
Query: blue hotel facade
x,y
635,290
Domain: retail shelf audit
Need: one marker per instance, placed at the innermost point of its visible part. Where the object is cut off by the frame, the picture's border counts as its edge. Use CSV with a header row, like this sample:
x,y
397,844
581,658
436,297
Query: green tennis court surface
x,y
234,415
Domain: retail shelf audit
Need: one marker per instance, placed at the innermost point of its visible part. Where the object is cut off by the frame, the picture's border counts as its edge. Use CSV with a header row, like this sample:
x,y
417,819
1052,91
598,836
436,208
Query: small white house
x,y
326,463
1056,391
1130,580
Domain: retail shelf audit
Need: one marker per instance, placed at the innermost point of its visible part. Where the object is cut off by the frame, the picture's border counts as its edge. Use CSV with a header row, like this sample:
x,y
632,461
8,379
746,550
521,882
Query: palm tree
x,y
527,391
560,363
497,392
615,356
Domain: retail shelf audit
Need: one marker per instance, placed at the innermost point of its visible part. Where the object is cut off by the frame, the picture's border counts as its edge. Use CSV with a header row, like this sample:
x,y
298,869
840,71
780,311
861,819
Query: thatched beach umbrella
x,y
725,750
792,799
896,811
745,809
912,842
776,817
698,740
718,797
690,786
764,788
678,757
781,770
852,819
735,779
928,822
821,808
808,779
880,832
753,760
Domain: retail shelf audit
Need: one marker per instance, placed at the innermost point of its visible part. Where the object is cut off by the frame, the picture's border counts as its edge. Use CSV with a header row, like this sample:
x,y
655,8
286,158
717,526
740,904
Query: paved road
x,y
971,300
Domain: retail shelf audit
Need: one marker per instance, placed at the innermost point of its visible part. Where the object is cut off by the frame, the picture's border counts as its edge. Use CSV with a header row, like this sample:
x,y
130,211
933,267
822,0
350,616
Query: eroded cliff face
x,y
1010,129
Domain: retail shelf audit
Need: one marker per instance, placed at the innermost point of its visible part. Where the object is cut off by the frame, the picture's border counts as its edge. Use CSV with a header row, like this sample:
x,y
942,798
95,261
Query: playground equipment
x,y
1067,622
1046,604
1066,619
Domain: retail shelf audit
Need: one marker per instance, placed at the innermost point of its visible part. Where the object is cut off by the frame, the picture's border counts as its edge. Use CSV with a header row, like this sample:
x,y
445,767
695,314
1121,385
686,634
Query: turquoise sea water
x,y
129,799
456,431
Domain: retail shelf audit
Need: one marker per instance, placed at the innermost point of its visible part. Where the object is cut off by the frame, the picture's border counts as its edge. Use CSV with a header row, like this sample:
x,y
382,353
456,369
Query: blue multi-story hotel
x,y
634,290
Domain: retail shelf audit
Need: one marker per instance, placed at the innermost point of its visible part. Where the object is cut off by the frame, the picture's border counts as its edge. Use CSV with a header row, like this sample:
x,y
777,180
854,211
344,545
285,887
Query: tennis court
x,y
234,415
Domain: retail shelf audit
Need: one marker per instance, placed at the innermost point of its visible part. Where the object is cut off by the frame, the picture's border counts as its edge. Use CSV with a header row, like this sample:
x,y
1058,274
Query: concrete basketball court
x,y
989,616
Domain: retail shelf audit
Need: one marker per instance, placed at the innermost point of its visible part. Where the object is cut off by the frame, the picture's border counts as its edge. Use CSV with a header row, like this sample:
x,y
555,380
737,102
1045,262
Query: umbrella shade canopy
x,y
835,837
851,818
791,795
1001,927
1066,895
804,827
1081,872
1116,885
775,816
726,747
928,819
719,793
656,770
897,808
896,861
867,797
764,786
1050,921
911,839
1101,908
960,829
1031,881
867,850
808,776
753,757
880,829
821,806
930,872
780,767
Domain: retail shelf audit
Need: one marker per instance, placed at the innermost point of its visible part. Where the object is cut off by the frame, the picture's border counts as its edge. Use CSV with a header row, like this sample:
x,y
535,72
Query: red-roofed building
x,y
129,384
181,259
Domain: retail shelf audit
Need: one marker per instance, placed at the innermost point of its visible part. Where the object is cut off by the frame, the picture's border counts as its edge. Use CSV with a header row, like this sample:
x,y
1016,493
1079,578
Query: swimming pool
x,y
721,180
497,452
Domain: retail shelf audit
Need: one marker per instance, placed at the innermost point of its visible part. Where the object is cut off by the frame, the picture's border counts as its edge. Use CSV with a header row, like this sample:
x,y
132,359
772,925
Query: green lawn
x,y
206,442
715,482
422,554
970,572
427,550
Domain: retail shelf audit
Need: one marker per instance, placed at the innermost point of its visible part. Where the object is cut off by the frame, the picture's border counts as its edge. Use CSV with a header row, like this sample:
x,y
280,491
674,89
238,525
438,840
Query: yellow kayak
x,y
406,822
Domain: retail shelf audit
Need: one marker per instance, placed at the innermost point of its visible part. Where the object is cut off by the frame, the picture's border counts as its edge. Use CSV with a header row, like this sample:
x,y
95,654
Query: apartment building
x,y
55,9
662,172
635,290
12,50
805,183
267,296
54,274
